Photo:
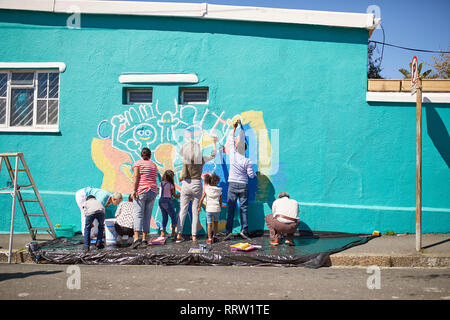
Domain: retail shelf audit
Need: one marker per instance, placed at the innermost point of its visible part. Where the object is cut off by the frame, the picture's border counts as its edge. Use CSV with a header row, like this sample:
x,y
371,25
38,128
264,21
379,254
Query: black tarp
x,y
312,250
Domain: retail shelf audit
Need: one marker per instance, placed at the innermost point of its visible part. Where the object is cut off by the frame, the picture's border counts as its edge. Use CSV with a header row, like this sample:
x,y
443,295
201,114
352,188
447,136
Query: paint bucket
x,y
110,231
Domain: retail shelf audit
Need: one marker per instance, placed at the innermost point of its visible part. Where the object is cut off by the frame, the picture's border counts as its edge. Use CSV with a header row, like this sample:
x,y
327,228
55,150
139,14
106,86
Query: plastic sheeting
x,y
312,250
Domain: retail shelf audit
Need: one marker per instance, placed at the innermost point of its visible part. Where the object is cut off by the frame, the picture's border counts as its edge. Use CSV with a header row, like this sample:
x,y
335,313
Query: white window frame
x,y
6,127
138,90
193,89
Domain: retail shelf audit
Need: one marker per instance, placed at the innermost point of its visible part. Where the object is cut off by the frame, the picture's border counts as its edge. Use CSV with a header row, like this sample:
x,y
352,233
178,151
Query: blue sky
x,y
418,24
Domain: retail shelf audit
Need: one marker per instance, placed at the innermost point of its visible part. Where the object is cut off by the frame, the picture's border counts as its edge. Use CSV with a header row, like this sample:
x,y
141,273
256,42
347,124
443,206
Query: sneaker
x,y
209,241
100,246
194,238
228,236
290,243
136,244
244,235
179,239
144,243
273,242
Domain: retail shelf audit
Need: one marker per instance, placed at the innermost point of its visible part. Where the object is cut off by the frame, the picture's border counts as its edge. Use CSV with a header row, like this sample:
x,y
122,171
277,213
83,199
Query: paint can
x,y
110,231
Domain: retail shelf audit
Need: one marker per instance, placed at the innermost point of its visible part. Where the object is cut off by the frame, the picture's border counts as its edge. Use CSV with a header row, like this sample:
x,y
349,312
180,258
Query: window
x,y
139,95
194,95
29,100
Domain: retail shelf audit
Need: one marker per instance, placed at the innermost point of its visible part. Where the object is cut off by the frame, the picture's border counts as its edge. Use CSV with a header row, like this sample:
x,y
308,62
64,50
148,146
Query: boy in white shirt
x,y
93,209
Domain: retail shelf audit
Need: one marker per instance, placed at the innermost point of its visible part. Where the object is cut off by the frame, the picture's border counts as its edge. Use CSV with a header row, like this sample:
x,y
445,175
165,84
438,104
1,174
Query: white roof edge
x,y
427,97
159,78
199,10
61,66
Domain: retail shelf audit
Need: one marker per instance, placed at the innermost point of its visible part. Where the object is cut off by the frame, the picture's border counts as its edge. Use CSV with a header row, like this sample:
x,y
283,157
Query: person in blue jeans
x,y
165,202
144,193
240,170
93,209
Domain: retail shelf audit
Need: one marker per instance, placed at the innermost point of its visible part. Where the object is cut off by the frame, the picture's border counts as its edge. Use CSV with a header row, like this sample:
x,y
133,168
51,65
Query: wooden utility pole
x,y
419,165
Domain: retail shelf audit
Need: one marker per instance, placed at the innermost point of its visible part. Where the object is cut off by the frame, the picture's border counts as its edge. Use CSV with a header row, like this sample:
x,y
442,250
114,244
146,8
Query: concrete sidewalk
x,y
384,251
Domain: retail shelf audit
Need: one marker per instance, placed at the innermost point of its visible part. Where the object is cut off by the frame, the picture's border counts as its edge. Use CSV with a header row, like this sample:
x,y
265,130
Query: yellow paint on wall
x,y
115,165
100,160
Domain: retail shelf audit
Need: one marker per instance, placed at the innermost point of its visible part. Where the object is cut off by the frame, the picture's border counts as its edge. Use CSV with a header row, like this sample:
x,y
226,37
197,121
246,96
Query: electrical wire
x,y
405,48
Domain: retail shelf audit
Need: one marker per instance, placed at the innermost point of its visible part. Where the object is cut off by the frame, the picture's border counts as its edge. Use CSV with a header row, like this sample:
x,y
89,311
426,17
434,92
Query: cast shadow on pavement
x,y
22,275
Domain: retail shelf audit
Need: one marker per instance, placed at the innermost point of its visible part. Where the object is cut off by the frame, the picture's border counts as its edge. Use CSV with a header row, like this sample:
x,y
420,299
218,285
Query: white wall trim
x,y
159,78
371,207
427,97
61,66
200,10
30,129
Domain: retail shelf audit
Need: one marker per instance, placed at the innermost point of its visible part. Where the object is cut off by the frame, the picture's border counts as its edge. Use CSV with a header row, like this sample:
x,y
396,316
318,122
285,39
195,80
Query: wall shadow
x,y
304,230
436,129
264,194
438,133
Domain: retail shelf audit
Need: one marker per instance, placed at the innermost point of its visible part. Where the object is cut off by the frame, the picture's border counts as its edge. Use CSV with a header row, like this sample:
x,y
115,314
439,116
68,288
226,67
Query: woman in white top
x,y
213,196
124,219
283,220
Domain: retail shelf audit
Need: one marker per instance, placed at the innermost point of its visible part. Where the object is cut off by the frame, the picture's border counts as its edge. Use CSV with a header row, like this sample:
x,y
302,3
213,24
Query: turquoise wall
x,y
350,164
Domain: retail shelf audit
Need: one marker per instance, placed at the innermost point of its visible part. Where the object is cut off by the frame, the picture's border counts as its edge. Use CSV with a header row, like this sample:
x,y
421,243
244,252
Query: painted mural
x,y
165,129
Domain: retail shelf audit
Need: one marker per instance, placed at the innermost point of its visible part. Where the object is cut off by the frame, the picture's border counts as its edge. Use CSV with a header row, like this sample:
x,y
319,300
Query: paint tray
x,y
244,246
157,240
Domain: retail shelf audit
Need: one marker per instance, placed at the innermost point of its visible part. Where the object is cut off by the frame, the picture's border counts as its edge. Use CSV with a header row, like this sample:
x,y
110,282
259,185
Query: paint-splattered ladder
x,y
16,193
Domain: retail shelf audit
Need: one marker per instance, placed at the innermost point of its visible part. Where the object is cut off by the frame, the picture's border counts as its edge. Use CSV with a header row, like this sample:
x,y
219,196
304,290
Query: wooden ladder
x,y
16,193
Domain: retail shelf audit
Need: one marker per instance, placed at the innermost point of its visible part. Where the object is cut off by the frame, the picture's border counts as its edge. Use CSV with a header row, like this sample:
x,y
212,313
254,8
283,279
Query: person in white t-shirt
x,y
213,197
283,220
124,220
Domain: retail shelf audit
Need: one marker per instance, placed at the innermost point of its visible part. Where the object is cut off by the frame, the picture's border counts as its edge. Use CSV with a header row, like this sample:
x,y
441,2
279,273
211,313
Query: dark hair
x,y
283,194
207,178
130,199
90,197
146,154
215,179
168,176
212,179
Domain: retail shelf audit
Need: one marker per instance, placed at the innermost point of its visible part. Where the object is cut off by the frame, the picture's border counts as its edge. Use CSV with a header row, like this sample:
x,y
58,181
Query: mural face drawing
x,y
164,130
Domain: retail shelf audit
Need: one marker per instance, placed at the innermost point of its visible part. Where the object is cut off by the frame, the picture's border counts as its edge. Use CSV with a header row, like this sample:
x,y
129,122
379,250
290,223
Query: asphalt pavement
x,y
155,282
386,268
